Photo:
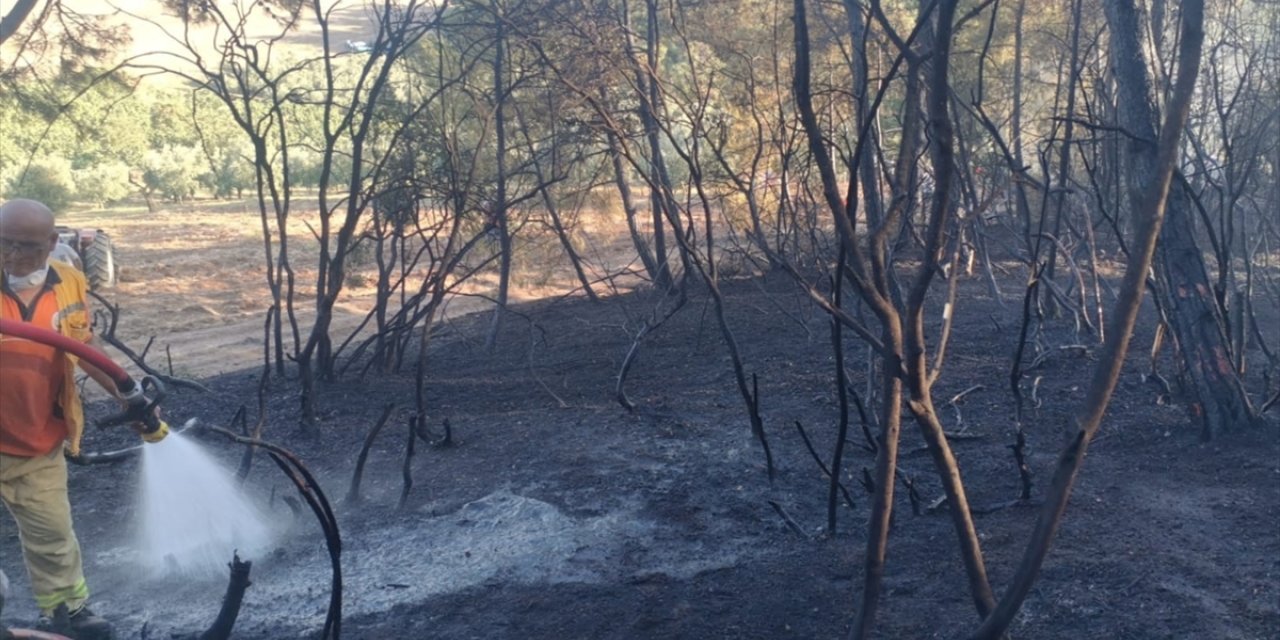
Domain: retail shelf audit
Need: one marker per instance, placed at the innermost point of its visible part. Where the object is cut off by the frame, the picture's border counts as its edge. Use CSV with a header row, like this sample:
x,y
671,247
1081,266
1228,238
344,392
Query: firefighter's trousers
x,y
34,490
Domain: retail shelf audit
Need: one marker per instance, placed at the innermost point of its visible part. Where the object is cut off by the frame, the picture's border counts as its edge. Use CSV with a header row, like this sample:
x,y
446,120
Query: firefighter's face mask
x,y
31,280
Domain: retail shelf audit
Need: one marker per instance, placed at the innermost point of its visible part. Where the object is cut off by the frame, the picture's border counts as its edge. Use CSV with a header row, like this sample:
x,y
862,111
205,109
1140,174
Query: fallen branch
x,y
1272,402
786,518
649,325
109,336
962,435
992,508
960,396
955,400
952,436
533,373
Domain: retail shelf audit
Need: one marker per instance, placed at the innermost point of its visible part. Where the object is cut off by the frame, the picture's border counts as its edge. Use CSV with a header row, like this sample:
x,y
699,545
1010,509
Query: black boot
x,y
82,624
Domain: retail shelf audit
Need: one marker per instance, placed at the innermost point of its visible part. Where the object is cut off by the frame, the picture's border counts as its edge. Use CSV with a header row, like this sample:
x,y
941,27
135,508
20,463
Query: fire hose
x,y
140,397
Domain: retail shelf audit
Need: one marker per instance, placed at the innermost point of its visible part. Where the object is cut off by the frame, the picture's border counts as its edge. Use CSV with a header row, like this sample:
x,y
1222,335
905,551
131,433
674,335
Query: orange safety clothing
x,y
39,402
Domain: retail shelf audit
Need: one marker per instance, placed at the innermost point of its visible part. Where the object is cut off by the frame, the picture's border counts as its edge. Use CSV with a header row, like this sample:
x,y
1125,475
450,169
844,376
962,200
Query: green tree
x,y
172,173
48,179
103,183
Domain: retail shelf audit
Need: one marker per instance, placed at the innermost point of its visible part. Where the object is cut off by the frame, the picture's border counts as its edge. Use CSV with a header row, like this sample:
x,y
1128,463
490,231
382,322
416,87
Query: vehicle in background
x,y
95,253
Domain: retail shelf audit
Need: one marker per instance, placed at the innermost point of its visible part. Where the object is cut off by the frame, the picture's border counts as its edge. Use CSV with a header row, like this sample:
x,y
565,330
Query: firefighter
x,y
41,415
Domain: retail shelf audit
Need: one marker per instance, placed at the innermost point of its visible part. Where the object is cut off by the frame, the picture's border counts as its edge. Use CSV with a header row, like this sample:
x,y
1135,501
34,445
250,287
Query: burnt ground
x,y
558,514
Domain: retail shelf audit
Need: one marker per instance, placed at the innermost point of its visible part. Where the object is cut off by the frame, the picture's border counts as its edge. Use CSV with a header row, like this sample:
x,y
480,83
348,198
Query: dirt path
x,y
193,285
192,278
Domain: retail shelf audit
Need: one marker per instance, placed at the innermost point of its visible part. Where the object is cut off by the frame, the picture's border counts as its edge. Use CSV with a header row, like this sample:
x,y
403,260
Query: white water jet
x,y
194,514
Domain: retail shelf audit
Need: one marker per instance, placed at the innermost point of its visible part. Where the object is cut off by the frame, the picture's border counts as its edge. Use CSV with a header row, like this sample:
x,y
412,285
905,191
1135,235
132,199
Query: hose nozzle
x,y
142,400
156,433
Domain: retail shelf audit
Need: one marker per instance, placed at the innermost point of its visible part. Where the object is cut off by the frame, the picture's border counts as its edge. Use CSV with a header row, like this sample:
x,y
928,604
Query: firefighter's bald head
x,y
27,235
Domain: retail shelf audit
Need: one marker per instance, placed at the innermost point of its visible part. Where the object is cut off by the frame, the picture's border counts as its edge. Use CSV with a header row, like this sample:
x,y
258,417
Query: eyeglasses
x,y
9,245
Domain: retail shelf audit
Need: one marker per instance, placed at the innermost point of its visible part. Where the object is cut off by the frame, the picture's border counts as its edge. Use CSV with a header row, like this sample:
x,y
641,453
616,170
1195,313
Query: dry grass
x,y
194,276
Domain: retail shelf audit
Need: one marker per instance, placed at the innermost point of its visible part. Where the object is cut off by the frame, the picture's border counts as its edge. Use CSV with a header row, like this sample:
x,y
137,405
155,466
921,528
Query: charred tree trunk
x,y
919,377
664,205
902,342
1182,280
659,180
651,267
882,502
1197,321
1059,191
1015,125
238,584
500,212
861,85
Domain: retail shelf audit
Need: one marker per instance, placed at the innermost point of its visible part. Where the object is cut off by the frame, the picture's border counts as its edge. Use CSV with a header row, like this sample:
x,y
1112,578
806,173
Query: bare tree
x,y
1149,198
907,374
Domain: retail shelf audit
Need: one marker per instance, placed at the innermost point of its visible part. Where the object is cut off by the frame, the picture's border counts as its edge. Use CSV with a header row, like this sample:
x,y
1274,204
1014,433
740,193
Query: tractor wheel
x,y
100,262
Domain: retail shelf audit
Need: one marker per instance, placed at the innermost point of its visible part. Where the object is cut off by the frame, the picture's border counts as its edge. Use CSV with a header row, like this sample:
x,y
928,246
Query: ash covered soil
x,y
559,514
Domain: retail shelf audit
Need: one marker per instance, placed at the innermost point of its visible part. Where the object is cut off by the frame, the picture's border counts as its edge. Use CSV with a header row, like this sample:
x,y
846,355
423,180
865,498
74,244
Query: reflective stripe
x,y
50,601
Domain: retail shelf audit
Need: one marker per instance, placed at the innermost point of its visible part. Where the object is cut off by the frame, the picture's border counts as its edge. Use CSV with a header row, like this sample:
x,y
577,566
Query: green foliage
x,y
226,167
304,168
170,119
230,173
48,180
104,183
172,172
17,123
86,144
